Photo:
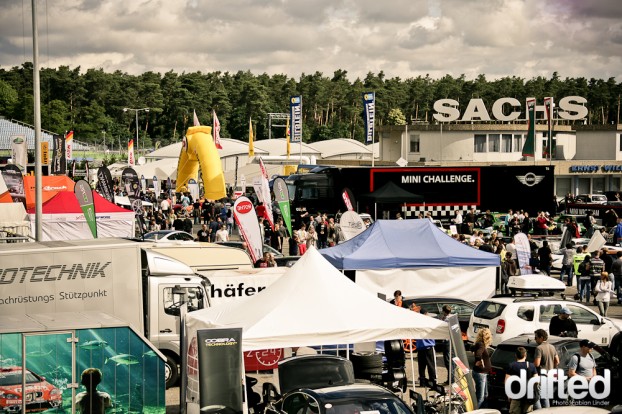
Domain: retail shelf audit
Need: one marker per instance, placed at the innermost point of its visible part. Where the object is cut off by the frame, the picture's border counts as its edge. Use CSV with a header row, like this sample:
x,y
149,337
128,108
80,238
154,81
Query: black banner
x,y
105,185
220,369
131,183
59,161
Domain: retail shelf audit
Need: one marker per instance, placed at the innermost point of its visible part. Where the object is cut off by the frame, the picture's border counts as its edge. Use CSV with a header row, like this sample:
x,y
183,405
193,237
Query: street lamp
x,y
136,111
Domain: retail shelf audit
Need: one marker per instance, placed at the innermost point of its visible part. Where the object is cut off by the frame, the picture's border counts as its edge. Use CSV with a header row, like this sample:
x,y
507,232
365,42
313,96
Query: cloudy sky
x,y
405,38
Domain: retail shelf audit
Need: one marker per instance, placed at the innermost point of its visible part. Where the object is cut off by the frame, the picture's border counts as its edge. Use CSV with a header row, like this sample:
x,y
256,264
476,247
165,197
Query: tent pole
x,y
449,371
412,363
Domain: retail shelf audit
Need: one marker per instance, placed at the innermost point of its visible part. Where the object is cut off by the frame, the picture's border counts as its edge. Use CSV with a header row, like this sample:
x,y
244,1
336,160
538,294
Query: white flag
x,y
195,118
217,131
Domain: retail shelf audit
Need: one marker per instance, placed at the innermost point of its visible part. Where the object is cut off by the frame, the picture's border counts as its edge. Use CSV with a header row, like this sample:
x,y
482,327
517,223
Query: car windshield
x,y
488,310
381,406
15,378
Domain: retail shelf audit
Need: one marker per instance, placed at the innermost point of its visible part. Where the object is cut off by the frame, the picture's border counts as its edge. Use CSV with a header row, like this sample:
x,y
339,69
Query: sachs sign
x,y
244,207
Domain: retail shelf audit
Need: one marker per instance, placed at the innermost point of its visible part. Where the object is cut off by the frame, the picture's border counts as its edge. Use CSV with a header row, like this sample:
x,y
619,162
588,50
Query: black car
x,y
505,354
323,384
434,305
281,260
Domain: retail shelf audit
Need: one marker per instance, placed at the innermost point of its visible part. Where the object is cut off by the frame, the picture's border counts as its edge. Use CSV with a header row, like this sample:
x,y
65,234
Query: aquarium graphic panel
x,y
132,374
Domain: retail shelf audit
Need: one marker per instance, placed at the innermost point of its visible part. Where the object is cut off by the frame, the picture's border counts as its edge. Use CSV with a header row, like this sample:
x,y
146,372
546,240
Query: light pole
x,y
136,111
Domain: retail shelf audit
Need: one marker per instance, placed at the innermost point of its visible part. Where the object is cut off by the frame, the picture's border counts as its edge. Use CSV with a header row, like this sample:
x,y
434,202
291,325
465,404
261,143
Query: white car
x,y
507,317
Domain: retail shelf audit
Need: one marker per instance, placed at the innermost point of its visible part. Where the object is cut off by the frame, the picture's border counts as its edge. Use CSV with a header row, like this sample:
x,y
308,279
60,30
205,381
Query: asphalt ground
x,y
172,394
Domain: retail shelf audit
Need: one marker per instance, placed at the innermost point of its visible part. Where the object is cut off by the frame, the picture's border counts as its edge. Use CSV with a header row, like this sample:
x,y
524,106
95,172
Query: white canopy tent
x,y
14,220
314,304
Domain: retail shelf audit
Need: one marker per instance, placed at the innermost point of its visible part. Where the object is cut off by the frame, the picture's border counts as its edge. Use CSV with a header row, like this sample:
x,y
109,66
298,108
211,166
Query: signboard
x,y
45,153
295,112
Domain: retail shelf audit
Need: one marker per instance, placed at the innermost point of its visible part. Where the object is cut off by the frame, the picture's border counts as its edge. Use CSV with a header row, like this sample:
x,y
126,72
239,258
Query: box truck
x,y
143,284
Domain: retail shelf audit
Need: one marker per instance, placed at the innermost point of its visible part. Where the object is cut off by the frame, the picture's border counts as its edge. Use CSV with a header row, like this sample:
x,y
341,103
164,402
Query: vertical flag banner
x,y
216,127
251,148
548,109
265,189
73,170
130,181
281,196
193,188
246,219
87,172
348,198
69,145
287,138
523,253
295,114
59,161
169,186
195,118
529,149
105,185
130,153
45,153
143,184
14,180
369,111
84,194
19,152
156,187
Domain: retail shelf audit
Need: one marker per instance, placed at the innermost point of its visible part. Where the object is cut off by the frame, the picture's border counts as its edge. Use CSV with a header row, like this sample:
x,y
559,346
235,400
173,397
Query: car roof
x,y
356,390
436,299
508,300
528,340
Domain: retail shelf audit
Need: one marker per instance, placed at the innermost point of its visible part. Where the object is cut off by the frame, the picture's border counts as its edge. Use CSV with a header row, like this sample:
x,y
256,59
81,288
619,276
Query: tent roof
x,y
314,304
392,193
66,202
395,244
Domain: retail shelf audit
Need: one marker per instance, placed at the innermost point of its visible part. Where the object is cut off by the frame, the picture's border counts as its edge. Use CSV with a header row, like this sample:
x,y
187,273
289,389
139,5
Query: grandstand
x,y
11,128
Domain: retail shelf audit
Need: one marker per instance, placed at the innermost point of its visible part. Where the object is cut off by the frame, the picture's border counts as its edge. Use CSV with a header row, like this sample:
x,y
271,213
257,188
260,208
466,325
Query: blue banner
x,y
369,104
295,116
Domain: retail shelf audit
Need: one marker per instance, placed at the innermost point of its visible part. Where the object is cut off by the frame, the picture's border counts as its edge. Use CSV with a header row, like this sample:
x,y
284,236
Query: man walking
x,y
567,263
546,357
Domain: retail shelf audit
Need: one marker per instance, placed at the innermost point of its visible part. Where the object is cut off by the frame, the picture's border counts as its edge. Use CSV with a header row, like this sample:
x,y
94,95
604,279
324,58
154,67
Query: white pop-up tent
x,y
314,304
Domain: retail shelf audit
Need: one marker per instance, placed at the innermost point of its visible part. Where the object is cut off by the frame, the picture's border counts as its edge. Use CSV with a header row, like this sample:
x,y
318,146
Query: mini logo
x,y
530,179
244,207
18,140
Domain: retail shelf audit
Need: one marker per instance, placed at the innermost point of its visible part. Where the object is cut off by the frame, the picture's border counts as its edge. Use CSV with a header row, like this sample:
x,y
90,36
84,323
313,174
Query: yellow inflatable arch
x,y
198,148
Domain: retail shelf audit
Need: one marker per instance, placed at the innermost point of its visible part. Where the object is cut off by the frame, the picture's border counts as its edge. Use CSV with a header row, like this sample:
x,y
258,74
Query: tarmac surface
x,y
173,394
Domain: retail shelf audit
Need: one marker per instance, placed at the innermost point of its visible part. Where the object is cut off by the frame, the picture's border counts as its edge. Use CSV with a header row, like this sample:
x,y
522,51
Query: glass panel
x,y
48,371
518,142
494,144
525,313
598,184
583,185
480,143
414,143
132,374
506,143
563,186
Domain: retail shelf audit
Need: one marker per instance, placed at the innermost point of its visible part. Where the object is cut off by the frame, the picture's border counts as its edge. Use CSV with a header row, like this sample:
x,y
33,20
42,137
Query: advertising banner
x,y
216,128
156,187
220,369
281,196
130,153
59,162
348,198
69,145
265,191
84,194
529,148
15,183
45,153
523,253
246,219
143,184
351,224
295,114
129,177
193,188
105,185
369,110
19,152
462,382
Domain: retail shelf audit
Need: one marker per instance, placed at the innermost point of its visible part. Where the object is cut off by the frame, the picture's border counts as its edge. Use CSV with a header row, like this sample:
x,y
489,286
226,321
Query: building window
x,y
414,143
620,141
494,143
506,143
480,143
518,143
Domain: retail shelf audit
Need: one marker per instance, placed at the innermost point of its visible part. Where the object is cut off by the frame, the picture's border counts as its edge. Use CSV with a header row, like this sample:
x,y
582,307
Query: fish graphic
x,y
94,344
37,354
123,359
150,353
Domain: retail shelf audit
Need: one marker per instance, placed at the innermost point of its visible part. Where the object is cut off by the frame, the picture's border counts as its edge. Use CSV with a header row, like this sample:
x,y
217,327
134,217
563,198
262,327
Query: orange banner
x,y
51,185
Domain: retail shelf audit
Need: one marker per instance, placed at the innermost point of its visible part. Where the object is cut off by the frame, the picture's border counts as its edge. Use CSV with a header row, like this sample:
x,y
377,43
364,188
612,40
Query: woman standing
x,y
311,237
603,289
482,365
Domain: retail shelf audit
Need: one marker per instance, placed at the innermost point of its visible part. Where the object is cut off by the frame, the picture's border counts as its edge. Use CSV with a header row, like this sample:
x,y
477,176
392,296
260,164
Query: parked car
x,y
168,235
434,305
322,384
504,354
281,260
40,394
507,317
591,199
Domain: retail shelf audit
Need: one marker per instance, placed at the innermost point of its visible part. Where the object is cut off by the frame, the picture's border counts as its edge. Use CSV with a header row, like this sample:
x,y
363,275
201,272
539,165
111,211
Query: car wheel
x,y
171,372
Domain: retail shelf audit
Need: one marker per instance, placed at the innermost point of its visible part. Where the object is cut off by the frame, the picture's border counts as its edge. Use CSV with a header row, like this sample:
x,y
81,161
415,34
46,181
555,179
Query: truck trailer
x,y
143,284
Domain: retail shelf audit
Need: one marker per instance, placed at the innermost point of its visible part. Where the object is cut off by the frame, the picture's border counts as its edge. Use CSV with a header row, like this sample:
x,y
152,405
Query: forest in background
x,y
91,103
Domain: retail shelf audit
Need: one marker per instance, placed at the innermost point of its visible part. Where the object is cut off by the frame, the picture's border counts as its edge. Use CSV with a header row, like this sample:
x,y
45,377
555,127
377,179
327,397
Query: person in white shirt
x,y
222,235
